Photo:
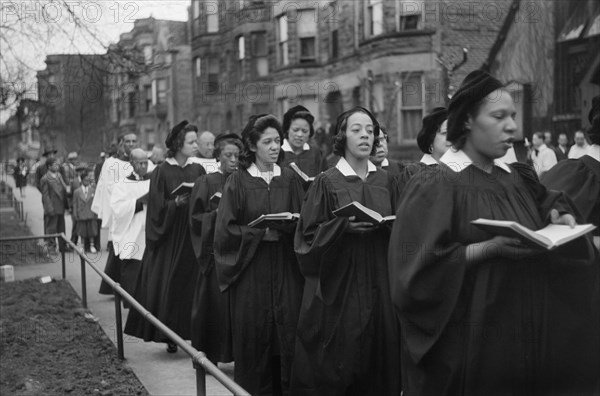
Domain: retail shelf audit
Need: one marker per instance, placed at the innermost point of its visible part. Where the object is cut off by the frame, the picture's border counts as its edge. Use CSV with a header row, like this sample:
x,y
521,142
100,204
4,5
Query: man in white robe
x,y
129,202
114,171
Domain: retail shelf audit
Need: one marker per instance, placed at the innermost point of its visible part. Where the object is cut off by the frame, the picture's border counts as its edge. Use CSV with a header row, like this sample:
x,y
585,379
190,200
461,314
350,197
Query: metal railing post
x,y
64,266
83,284
119,320
200,374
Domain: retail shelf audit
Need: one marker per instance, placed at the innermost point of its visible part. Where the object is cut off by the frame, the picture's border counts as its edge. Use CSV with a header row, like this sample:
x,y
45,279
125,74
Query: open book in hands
x,y
303,175
362,213
549,237
269,219
215,198
183,188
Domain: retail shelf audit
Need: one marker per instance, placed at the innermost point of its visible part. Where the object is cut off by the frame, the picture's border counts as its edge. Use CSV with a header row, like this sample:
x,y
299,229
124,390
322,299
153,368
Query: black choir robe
x,y
394,168
312,162
503,326
580,180
347,339
400,181
167,279
211,321
262,277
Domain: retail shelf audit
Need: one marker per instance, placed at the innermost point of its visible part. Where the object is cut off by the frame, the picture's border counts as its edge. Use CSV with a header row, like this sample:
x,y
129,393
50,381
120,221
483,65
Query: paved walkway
x,y
160,372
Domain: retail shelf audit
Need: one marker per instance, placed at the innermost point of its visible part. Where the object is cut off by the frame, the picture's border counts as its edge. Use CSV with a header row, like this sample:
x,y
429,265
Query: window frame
x,y
402,108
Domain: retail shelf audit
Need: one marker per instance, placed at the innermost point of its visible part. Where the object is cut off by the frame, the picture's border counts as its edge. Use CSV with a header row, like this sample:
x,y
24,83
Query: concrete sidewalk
x,y
160,372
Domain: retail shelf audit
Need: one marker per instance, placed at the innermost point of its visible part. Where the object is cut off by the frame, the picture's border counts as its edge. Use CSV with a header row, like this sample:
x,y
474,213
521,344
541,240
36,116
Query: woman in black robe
x,y
258,265
347,339
431,139
380,158
166,282
483,314
297,130
211,321
580,178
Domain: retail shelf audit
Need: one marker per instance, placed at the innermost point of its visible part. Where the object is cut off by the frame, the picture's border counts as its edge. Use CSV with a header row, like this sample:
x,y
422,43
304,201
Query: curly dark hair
x,y
177,143
339,139
252,132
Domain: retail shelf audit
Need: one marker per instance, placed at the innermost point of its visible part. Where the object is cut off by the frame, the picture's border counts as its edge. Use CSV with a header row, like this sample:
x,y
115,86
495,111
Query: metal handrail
x,y
199,360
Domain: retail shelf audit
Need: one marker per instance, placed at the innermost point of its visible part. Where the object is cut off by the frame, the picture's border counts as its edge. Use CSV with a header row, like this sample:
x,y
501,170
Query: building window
x,y
213,74
241,45
260,53
374,25
333,20
307,34
411,107
131,101
410,15
212,17
148,54
147,97
159,91
283,40
198,66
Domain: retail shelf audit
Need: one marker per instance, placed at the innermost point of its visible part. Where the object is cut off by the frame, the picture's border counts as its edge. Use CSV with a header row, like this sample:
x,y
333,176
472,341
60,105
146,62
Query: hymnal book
x,y
548,237
362,213
264,220
183,188
303,175
215,198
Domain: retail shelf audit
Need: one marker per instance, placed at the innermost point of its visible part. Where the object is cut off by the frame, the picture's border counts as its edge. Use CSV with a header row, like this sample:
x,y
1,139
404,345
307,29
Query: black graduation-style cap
x,y
431,124
225,136
297,112
477,85
346,114
47,152
172,136
250,124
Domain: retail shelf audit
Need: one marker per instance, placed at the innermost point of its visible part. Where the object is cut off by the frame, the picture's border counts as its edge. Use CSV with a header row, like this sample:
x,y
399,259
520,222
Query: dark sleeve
x,y
46,200
202,222
546,199
426,265
235,242
319,234
161,211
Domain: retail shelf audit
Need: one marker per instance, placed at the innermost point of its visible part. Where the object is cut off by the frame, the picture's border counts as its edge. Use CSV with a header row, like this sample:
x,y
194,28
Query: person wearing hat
x,y
211,322
258,265
432,141
169,270
54,201
20,172
482,313
43,168
347,340
297,130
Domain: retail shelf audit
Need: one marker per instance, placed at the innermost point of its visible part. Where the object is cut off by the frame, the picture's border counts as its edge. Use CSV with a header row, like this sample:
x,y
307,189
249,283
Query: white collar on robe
x,y
287,147
385,162
594,152
189,161
266,176
219,168
458,161
428,159
345,169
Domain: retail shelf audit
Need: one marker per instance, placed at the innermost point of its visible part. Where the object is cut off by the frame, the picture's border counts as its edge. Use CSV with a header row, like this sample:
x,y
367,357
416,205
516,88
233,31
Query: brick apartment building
x,y
393,56
150,83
